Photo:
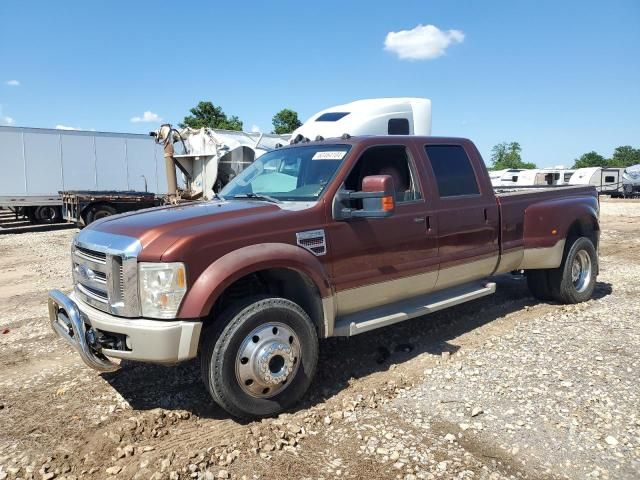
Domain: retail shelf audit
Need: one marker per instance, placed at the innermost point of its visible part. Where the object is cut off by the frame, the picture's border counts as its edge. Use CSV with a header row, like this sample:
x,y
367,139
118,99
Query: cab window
x,y
453,170
392,160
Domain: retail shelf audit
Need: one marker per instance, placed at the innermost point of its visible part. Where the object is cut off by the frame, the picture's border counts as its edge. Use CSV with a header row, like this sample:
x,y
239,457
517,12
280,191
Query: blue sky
x,y
560,77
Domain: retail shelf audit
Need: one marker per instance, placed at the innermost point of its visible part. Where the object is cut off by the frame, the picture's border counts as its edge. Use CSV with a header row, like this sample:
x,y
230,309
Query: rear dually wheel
x,y
575,279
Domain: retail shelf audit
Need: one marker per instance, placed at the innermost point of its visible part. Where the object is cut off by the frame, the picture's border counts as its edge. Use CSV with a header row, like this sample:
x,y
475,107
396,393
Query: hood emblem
x,y
85,272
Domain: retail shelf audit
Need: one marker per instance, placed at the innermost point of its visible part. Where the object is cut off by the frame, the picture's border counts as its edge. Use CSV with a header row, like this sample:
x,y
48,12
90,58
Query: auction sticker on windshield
x,y
329,155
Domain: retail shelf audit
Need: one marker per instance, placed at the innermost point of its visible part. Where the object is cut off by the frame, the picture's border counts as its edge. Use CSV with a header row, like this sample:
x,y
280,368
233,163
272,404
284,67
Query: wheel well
x,y
282,282
585,227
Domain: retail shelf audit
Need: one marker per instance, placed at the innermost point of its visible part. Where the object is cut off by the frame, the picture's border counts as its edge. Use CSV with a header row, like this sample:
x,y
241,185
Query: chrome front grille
x,y
90,272
121,282
105,272
91,255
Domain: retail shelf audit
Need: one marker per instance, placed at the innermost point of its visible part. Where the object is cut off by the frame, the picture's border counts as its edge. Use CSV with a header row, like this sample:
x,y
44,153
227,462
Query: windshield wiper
x,y
257,196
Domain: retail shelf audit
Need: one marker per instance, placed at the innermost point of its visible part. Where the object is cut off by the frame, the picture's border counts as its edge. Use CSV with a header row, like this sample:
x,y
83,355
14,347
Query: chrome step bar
x,y
384,315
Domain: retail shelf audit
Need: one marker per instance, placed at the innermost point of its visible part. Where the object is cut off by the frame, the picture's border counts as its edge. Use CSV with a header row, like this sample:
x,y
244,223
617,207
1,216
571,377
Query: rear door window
x,y
453,170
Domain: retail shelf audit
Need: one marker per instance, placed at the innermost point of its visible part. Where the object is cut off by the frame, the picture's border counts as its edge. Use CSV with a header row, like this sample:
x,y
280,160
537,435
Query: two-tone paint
x,y
427,245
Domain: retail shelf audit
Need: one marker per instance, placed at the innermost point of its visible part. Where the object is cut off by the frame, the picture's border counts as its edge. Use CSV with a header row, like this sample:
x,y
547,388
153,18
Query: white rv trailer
x,y
606,180
543,176
38,163
504,178
631,180
375,116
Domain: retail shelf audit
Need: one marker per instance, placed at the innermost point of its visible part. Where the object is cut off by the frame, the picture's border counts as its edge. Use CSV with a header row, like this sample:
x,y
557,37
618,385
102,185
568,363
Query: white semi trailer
x,y
37,164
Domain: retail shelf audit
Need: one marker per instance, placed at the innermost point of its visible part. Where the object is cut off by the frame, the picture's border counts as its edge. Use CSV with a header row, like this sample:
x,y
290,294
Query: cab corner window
x,y
453,170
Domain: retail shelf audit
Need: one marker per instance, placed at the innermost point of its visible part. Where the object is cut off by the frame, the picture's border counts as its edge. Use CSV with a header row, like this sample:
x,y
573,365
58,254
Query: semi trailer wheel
x,y
96,212
259,357
575,279
47,214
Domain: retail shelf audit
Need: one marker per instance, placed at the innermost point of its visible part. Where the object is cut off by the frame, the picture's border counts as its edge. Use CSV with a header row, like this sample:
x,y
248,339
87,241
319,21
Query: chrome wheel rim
x,y
581,271
267,360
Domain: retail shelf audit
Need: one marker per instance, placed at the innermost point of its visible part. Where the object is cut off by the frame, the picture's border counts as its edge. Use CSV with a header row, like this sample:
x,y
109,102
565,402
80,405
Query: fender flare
x,y
219,275
540,219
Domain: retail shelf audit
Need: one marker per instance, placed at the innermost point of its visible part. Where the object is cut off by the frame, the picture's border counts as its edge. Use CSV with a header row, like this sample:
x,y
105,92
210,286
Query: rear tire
x,y
259,357
575,279
538,283
96,212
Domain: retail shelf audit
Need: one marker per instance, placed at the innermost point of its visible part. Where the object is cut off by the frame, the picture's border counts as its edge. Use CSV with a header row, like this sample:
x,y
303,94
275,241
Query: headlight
x,y
162,286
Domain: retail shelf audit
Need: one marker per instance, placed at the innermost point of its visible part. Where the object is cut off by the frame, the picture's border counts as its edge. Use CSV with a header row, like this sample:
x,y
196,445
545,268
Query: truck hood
x,y
158,228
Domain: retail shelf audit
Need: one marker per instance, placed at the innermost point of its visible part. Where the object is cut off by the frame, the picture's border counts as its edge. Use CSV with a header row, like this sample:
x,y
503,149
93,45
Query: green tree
x,y
625,156
590,159
206,114
507,155
285,121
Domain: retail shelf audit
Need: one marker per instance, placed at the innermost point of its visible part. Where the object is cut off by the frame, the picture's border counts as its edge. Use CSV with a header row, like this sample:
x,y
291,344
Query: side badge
x,y
313,241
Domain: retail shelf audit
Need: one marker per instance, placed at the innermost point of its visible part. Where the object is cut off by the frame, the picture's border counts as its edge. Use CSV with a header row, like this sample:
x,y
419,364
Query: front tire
x,y
575,279
259,357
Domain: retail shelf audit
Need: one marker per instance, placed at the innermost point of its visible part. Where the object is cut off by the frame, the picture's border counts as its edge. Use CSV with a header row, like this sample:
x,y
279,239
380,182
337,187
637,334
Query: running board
x,y
384,315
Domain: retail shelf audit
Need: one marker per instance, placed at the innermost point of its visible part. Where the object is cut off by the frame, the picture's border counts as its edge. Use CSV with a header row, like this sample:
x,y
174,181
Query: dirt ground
x,y
503,387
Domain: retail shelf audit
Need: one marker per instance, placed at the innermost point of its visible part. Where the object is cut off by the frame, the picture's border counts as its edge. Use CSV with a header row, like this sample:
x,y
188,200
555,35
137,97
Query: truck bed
x,y
536,189
515,202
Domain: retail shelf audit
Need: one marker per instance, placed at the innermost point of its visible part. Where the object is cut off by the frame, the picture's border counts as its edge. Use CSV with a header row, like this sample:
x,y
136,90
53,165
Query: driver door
x,y
377,261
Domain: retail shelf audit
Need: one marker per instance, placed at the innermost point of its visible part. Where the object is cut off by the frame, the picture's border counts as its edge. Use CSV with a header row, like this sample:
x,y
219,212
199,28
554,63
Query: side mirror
x,y
376,200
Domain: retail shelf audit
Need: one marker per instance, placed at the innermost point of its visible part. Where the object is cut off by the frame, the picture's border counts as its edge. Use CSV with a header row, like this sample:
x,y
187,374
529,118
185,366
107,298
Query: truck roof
x,y
373,139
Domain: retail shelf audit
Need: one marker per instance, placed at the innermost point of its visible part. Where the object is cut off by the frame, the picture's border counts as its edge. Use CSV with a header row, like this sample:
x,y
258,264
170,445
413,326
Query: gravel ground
x,y
503,387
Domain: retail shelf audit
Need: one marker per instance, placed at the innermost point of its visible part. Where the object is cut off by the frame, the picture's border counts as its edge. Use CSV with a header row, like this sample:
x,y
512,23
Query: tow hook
x,y
92,340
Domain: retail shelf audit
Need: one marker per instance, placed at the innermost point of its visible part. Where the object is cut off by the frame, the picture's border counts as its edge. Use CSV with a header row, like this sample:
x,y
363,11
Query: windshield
x,y
289,174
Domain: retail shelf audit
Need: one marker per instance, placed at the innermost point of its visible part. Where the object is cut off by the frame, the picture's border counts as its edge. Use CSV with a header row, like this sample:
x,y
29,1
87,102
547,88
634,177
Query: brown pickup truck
x,y
318,239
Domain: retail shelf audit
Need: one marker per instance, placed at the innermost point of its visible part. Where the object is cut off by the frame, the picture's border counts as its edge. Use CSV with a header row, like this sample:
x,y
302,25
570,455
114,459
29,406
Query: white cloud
x,y
147,117
255,129
64,127
424,42
12,83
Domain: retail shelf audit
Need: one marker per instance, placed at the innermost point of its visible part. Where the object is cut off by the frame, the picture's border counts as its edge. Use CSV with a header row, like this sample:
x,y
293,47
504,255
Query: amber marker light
x,y
180,278
554,232
387,203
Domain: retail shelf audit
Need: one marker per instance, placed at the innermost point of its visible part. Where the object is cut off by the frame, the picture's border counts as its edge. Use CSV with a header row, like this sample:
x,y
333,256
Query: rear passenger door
x,y
466,214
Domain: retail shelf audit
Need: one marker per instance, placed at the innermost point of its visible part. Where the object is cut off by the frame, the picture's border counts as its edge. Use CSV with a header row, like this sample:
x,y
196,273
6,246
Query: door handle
x,y
418,220
486,218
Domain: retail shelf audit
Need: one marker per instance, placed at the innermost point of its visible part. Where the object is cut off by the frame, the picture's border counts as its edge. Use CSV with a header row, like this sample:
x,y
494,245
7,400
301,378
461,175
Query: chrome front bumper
x,y
156,341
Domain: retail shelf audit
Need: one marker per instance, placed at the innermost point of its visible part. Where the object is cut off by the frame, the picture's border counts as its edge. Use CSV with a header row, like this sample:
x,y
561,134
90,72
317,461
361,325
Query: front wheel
x,y
259,358
575,279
